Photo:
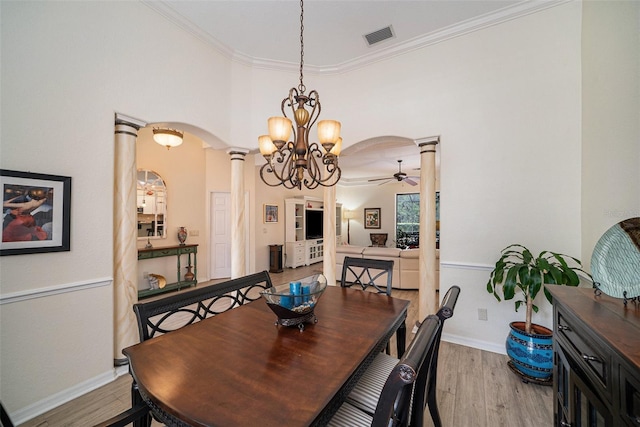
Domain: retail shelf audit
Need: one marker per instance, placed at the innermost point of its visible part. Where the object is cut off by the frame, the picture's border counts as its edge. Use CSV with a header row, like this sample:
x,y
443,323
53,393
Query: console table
x,y
596,343
166,251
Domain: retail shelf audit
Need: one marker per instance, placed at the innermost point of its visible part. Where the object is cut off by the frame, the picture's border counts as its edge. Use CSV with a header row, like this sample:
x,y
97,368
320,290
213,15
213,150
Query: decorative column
x,y
238,235
427,300
125,252
329,235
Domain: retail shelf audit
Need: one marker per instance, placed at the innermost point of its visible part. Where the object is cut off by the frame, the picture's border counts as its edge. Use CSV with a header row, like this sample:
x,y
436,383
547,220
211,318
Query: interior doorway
x,y
220,254
220,262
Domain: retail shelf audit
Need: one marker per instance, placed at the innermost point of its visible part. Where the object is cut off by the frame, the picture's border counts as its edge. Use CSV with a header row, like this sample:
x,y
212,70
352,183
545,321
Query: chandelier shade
x,y
295,162
328,133
266,145
167,137
279,129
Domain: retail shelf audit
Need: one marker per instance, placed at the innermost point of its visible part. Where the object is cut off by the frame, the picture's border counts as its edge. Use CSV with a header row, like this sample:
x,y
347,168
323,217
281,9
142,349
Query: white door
x,y
220,235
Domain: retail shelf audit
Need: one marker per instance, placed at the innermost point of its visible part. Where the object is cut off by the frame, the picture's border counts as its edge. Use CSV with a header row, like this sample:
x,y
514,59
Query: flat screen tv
x,y
313,224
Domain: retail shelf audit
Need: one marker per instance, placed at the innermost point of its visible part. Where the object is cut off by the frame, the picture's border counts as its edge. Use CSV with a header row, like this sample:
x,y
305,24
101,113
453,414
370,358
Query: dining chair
x,y
376,275
366,393
394,405
167,314
176,311
426,383
367,273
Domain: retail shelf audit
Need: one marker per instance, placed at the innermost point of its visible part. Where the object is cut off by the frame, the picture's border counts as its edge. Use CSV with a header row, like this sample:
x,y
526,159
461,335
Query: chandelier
x,y
297,162
167,137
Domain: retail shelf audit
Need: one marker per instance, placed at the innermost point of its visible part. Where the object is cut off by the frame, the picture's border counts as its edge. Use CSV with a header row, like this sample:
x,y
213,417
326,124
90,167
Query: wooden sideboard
x,y
596,342
166,251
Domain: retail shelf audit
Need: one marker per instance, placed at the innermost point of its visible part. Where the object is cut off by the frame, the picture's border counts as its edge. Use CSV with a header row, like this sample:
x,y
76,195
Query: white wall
x,y
506,103
506,100
67,67
610,117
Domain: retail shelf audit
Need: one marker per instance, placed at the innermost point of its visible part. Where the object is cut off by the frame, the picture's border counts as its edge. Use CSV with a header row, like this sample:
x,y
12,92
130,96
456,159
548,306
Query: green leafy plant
x,y
518,270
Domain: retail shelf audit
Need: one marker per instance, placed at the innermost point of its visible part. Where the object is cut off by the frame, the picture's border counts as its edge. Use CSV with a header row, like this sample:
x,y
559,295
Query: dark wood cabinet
x,y
596,359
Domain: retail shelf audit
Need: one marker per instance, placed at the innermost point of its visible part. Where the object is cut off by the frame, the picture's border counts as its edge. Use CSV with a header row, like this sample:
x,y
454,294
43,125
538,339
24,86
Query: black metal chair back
x,y
394,405
366,272
179,310
372,273
425,392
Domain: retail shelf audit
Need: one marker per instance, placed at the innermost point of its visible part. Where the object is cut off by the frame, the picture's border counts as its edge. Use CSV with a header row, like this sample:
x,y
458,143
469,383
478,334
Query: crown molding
x,y
502,15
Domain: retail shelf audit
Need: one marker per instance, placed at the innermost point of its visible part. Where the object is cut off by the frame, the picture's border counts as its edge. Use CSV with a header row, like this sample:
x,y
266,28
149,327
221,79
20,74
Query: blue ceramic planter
x,y
531,354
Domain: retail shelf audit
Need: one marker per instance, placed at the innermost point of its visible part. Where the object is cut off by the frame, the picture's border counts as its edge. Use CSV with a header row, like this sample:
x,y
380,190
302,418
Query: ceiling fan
x,y
398,176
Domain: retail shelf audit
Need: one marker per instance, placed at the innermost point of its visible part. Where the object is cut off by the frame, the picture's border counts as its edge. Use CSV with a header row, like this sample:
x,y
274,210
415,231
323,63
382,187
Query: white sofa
x,y
405,263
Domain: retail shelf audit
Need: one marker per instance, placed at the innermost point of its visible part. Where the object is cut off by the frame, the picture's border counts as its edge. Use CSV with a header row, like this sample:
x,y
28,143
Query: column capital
x,y
430,140
237,153
122,119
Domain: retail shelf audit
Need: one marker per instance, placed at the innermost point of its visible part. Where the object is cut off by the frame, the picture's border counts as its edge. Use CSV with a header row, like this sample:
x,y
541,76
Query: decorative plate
x,y
615,263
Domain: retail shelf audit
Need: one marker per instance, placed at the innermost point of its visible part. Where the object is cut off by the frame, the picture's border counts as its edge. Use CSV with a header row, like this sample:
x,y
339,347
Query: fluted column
x,y
125,252
238,235
329,235
427,300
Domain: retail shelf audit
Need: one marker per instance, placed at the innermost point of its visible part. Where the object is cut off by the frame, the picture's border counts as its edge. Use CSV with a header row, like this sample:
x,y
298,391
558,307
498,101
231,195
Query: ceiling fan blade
x,y
383,183
378,179
410,182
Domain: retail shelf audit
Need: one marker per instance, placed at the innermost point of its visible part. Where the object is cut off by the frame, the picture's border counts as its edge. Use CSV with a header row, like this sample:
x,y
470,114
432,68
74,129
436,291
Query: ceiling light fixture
x,y
288,160
167,137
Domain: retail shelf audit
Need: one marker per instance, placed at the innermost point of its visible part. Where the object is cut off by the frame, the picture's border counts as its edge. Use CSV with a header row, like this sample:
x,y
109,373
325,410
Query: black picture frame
x,y
36,213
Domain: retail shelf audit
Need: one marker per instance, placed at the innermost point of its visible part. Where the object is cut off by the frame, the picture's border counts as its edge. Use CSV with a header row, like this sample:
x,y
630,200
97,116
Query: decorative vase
x,y
182,235
189,276
531,354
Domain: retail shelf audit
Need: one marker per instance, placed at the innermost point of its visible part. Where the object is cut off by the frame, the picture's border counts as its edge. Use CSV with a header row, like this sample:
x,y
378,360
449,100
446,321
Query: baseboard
x,y
481,345
51,402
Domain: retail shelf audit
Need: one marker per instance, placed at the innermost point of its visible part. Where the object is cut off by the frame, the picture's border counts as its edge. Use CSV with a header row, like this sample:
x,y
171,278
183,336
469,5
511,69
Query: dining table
x,y
240,368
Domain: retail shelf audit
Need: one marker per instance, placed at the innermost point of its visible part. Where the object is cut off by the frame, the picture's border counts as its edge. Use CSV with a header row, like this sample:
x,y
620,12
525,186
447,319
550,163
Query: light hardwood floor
x,y
475,388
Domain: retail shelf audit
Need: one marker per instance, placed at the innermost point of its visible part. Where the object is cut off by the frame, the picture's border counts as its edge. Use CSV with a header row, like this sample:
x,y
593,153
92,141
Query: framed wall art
x,y
270,213
371,217
36,213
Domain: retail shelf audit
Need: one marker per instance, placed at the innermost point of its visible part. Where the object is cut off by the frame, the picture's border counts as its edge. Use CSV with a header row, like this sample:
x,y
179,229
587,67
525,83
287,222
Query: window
x,y
407,220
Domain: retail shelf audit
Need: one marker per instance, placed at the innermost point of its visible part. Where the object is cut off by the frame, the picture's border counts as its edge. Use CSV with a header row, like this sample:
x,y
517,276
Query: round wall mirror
x,y
151,201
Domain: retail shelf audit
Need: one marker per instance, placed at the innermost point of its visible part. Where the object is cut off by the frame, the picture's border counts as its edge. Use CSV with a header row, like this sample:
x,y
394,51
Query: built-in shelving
x,y
301,249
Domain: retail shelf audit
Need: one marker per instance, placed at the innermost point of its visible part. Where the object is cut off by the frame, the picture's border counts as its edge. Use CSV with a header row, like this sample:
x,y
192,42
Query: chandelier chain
x,y
297,162
301,86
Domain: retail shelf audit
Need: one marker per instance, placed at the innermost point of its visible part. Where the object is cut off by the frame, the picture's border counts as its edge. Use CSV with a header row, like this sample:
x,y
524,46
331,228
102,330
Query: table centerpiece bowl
x,y
294,303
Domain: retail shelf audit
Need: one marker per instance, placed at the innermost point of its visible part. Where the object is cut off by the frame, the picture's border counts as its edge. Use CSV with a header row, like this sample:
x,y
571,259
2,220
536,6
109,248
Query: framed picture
x,y
371,217
270,213
36,211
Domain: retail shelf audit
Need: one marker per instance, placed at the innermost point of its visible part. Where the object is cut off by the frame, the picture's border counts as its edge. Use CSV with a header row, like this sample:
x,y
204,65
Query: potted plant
x,y
518,272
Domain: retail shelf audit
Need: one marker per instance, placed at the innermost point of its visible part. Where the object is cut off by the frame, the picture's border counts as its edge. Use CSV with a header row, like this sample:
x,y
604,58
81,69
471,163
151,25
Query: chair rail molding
x,y
12,297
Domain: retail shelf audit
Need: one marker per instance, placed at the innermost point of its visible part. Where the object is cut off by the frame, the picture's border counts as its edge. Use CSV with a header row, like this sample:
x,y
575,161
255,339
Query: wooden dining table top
x,y
240,369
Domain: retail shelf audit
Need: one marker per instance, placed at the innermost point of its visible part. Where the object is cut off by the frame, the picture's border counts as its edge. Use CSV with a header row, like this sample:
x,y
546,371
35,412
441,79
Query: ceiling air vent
x,y
380,35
